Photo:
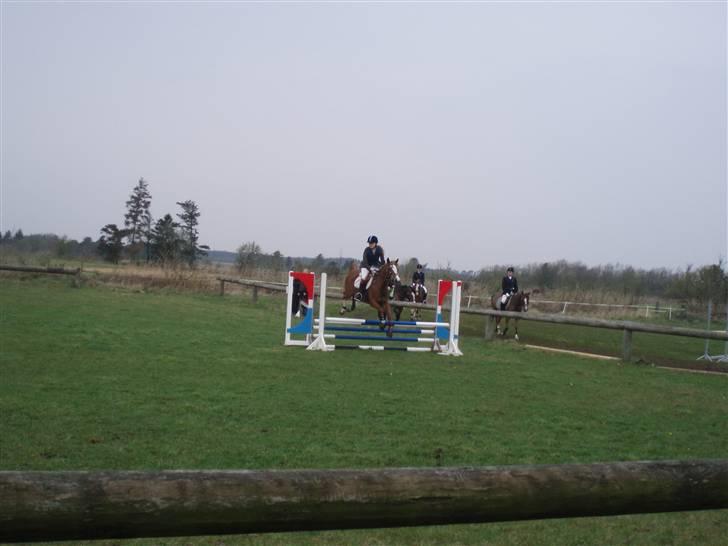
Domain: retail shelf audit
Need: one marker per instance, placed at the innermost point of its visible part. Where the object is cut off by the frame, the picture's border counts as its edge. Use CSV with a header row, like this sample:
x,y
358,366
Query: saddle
x,y
361,295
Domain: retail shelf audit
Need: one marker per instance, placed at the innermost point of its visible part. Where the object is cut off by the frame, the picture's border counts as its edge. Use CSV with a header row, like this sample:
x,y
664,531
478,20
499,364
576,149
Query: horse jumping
x,y
518,303
377,295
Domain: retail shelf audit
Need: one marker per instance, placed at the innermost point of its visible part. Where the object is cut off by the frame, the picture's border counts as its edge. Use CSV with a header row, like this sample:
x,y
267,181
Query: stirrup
x,y
359,296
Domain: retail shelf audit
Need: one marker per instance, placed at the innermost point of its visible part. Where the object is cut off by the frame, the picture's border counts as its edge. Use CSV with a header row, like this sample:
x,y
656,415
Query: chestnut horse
x,y
517,303
377,294
405,292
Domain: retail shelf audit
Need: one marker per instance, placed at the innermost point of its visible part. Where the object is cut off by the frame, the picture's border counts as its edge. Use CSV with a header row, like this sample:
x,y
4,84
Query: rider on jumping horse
x,y
509,286
372,260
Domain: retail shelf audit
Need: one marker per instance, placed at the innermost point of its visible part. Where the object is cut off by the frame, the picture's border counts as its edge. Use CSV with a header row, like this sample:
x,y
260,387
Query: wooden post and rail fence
x,y
626,326
45,270
74,273
82,505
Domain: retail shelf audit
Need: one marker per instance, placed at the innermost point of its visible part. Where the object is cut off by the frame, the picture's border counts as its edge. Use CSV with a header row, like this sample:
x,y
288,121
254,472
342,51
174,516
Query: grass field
x,y
112,378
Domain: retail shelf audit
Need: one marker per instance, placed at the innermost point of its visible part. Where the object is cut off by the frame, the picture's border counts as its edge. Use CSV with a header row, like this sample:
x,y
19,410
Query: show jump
x,y
320,334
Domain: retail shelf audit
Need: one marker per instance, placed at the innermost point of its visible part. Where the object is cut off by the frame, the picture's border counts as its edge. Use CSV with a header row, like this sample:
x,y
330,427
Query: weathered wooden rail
x,y
255,285
74,273
41,506
627,327
46,270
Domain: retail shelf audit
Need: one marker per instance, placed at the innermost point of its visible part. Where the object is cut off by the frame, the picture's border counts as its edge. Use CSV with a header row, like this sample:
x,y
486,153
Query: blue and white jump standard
x,y
440,336
305,326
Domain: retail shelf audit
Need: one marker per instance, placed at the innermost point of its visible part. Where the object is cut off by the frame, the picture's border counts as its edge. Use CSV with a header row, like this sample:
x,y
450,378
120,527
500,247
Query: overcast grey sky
x,y
467,133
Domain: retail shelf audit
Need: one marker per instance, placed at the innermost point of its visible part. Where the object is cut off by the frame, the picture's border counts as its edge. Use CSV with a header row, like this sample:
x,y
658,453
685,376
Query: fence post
x,y
222,287
255,294
563,311
706,351
627,345
489,328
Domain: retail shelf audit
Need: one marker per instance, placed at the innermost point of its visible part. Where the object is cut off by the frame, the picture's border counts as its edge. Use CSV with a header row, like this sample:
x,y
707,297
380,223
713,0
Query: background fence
x,y
627,327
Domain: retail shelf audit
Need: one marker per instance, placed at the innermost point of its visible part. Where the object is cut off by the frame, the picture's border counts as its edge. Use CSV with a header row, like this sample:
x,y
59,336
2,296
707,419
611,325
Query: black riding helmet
x,y
509,269
419,266
372,239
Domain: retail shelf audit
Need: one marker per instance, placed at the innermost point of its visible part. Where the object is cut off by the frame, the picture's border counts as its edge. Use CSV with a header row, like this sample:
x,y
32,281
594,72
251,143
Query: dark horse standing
x,y
517,303
377,294
405,292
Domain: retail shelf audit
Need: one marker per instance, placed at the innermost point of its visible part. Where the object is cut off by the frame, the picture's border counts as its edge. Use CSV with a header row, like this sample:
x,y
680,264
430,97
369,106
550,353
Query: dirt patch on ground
x,y
697,365
663,362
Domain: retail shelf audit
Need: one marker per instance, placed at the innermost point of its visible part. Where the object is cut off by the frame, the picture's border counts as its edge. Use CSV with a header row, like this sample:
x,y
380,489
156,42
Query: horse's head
x,y
392,273
524,301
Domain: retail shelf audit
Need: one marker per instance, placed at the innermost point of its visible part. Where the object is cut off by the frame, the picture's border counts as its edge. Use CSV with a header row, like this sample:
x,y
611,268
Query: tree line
x,y
174,241
709,282
167,242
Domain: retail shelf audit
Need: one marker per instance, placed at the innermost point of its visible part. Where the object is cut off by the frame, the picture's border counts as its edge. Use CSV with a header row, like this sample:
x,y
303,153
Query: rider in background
x,y
372,260
509,286
418,277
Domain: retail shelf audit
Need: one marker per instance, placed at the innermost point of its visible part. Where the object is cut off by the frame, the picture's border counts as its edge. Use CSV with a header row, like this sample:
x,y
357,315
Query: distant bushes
x,y
570,280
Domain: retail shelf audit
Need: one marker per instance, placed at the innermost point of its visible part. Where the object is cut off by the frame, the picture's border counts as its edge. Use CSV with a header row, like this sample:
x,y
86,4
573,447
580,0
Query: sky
x,y
463,134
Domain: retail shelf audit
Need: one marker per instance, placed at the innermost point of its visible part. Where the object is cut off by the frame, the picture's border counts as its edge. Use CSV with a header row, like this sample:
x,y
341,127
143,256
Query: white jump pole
x,y
319,344
452,348
289,303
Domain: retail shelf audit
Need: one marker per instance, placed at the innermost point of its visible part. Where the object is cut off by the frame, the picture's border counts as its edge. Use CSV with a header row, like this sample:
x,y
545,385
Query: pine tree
x,y
165,241
190,249
111,243
138,219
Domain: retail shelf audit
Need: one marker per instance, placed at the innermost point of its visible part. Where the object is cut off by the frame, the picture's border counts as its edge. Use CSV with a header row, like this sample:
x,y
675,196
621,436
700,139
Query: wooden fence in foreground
x,y
45,270
626,326
42,506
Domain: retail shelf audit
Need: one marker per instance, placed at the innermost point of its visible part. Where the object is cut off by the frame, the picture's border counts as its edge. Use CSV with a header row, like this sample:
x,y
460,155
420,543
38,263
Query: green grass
x,y
101,378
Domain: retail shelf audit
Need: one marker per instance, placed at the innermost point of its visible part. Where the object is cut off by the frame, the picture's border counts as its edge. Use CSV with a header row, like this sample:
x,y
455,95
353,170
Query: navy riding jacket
x,y
509,285
418,277
373,258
